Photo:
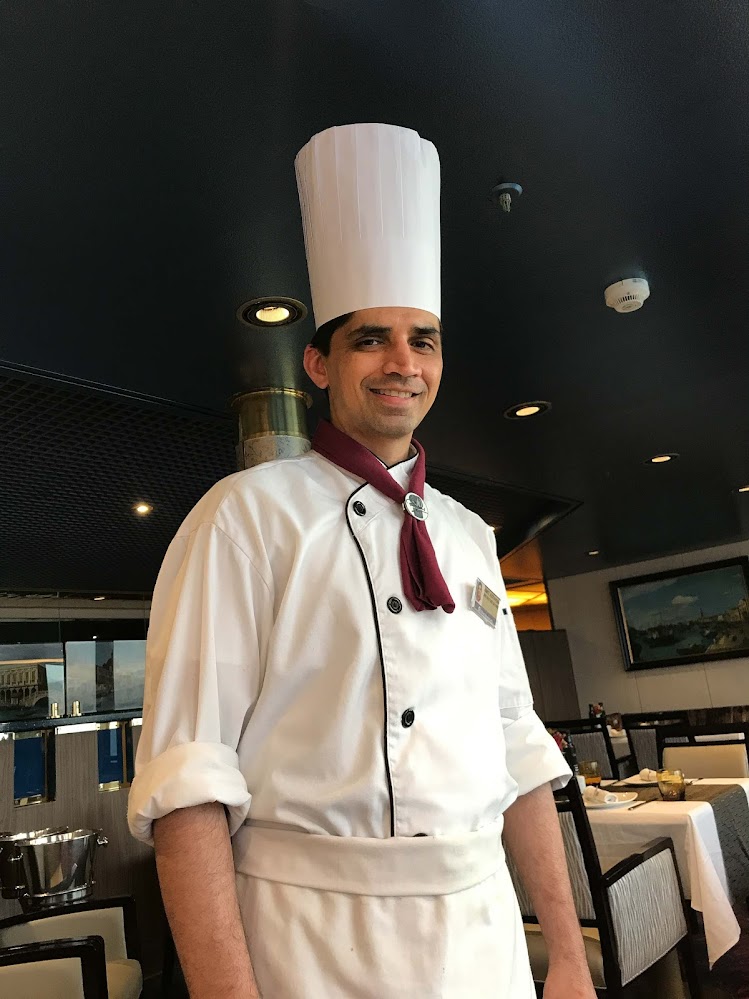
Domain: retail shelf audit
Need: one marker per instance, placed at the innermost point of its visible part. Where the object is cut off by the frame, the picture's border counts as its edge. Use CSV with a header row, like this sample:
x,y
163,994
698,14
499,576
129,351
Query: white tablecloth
x,y
691,825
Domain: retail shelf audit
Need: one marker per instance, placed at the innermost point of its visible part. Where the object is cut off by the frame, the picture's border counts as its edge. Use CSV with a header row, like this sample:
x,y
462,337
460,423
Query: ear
x,y
314,365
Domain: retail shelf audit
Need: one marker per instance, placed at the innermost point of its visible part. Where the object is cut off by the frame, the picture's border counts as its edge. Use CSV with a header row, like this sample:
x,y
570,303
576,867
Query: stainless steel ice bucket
x,y
12,878
59,867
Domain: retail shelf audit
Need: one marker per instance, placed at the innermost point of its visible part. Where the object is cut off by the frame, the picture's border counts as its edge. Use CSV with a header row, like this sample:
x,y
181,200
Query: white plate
x,y
621,799
637,781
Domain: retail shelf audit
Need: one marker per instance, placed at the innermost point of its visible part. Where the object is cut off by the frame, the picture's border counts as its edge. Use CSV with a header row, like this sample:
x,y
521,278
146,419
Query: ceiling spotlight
x,y
661,459
501,194
594,552
100,598
744,489
142,509
272,314
267,312
526,409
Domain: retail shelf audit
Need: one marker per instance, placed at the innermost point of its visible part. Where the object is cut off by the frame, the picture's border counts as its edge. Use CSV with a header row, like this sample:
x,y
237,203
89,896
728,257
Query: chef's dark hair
x,y
321,339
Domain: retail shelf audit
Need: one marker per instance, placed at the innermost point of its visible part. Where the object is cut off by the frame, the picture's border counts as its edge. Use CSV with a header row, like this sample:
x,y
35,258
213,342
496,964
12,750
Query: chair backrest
x,y
55,969
57,979
705,750
575,867
583,865
105,923
640,729
584,868
591,740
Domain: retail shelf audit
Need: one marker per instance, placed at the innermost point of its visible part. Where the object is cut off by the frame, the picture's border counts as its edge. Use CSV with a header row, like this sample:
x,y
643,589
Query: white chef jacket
x,y
288,677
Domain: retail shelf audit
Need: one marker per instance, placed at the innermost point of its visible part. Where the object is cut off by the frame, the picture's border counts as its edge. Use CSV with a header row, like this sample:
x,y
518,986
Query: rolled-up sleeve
x,y
209,623
533,757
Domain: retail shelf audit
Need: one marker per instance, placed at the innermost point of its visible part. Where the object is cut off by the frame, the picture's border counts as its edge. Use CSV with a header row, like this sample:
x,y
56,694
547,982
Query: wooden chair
x,y
631,916
111,968
640,730
592,742
705,750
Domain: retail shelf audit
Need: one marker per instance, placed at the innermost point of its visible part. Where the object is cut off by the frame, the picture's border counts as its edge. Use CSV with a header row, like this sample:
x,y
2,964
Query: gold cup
x,y
672,785
590,770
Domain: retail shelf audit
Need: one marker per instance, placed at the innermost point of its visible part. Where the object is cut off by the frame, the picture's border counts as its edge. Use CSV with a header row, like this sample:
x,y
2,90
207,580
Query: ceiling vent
x,y
628,295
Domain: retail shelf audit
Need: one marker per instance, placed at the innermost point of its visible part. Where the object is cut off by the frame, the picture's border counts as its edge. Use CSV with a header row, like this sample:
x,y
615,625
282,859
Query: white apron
x,y
329,917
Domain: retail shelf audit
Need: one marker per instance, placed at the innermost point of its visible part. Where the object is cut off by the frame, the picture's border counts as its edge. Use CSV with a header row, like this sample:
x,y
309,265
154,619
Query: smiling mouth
x,y
392,394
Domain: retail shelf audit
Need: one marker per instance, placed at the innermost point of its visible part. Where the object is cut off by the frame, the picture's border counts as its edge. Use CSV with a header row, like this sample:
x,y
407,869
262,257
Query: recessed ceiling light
x,y
594,552
661,459
272,314
267,312
142,509
744,489
100,598
526,409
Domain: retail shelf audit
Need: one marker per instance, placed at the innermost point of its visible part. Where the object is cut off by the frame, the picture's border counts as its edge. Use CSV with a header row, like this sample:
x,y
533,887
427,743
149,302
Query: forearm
x,y
533,838
196,874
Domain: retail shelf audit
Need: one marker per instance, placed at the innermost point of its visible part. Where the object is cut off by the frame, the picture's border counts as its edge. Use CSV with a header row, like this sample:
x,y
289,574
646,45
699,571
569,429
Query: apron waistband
x,y
401,865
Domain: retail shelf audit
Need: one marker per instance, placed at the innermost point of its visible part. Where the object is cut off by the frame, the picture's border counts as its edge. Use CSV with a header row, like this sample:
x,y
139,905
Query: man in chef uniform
x,y
337,719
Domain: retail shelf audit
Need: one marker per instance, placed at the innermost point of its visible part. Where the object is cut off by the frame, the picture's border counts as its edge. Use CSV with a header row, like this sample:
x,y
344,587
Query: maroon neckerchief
x,y
423,584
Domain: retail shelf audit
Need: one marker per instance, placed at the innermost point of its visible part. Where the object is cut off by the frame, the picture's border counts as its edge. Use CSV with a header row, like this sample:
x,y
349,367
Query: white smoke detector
x,y
628,295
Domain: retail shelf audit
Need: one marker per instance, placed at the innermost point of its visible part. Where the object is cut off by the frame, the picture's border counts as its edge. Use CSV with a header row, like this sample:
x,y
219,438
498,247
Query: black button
x,y
394,605
359,508
407,718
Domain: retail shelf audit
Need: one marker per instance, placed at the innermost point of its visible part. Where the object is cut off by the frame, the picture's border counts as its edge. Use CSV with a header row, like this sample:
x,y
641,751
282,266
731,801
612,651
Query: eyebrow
x,y
371,330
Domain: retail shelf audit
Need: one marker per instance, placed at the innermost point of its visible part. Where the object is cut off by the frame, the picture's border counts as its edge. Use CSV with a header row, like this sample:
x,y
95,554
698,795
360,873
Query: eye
x,y
423,344
368,341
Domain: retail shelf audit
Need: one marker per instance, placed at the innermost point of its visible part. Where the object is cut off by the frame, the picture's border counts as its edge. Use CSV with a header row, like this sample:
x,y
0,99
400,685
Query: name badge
x,y
485,603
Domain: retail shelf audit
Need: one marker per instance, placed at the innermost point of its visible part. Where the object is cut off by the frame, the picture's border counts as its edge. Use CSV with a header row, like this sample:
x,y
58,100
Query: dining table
x,y
621,831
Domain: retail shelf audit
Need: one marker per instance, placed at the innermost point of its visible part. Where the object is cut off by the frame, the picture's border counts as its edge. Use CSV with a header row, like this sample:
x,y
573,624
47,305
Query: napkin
x,y
596,796
648,774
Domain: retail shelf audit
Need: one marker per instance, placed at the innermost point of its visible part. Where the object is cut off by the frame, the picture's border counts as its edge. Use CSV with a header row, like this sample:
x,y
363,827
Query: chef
x,y
337,721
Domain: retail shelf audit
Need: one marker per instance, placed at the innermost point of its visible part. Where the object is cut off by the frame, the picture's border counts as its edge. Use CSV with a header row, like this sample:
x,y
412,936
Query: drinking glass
x,y
671,784
590,771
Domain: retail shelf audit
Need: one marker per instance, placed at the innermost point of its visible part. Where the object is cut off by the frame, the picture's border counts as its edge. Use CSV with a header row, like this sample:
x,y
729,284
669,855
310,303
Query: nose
x,y
402,360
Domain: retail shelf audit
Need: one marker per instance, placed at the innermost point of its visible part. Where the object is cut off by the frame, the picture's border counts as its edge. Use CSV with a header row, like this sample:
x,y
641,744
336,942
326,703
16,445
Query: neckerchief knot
x,y
423,584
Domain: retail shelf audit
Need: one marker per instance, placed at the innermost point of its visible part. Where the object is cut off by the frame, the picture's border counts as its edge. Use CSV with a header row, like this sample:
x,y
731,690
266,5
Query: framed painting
x,y
685,616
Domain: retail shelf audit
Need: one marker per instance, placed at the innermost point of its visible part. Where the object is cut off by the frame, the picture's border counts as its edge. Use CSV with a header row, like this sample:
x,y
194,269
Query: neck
x,y
389,450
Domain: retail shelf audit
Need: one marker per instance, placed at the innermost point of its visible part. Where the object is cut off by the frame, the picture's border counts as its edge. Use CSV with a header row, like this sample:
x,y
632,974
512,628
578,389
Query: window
x,y
33,767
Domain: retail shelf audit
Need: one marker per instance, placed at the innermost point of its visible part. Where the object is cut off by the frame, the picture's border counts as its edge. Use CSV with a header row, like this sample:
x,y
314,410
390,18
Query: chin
x,y
396,428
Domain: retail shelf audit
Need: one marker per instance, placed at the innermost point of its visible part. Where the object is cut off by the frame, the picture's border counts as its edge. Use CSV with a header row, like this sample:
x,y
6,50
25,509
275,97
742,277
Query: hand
x,y
569,980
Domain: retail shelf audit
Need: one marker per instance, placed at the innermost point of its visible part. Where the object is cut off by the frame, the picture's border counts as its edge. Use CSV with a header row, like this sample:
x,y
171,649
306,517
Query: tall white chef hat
x,y
370,199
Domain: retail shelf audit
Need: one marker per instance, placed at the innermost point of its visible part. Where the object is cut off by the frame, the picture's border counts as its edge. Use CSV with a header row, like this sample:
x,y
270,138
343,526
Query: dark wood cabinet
x,y
549,665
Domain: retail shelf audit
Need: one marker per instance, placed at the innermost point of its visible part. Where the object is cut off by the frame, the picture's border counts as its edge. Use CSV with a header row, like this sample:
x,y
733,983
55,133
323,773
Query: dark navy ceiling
x,y
82,458
146,171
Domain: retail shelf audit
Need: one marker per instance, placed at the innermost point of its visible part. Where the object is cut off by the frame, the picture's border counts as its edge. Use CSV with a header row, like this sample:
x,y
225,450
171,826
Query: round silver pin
x,y
415,506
